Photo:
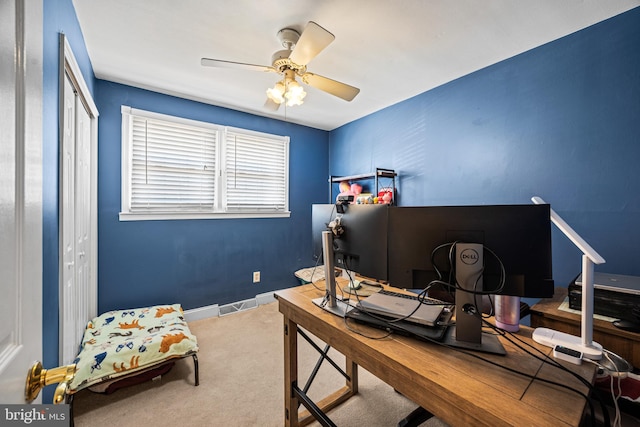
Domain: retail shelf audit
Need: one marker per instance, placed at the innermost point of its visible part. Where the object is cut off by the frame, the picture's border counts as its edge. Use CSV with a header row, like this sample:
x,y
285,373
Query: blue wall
x,y
58,17
195,263
200,262
561,121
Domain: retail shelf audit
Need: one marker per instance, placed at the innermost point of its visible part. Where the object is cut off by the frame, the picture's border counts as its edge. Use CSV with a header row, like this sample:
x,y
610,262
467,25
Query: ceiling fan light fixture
x,y
294,94
276,93
299,50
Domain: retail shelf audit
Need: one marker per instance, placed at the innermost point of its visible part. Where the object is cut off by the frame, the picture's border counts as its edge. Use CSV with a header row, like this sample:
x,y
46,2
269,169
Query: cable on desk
x,y
456,286
512,338
505,334
535,377
388,333
453,284
509,337
318,258
614,397
614,378
347,302
315,267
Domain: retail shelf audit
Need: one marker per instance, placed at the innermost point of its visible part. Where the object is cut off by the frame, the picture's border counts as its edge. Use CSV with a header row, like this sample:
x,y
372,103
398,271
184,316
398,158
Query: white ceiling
x,y
391,50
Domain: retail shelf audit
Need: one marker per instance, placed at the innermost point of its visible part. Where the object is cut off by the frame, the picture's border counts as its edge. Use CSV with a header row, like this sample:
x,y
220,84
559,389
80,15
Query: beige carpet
x,y
241,383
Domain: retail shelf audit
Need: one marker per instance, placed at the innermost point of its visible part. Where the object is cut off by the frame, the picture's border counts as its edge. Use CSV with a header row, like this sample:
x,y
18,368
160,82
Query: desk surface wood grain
x,y
460,388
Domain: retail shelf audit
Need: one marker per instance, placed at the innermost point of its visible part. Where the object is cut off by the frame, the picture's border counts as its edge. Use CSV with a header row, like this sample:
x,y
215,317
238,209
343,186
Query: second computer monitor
x,y
359,239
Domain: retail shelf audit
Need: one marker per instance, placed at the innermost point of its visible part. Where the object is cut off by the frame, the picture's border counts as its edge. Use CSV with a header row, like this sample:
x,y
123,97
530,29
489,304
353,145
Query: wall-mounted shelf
x,y
377,176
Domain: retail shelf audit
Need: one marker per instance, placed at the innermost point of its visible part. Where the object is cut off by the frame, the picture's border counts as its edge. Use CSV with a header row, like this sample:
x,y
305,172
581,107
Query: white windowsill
x,y
126,216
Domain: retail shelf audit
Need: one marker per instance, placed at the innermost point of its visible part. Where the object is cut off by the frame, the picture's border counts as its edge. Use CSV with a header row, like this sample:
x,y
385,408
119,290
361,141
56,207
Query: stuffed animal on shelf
x,y
347,189
385,196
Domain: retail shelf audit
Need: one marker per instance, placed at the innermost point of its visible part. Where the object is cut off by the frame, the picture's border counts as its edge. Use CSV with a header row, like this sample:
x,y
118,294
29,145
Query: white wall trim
x,y
265,298
202,313
206,312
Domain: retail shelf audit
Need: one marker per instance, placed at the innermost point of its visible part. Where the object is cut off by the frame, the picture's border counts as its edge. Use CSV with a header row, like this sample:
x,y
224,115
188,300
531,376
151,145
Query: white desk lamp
x,y
550,337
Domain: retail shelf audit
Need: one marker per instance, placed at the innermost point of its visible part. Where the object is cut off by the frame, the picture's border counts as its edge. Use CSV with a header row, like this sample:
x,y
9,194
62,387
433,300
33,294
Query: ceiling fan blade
x,y
313,40
207,62
335,88
270,104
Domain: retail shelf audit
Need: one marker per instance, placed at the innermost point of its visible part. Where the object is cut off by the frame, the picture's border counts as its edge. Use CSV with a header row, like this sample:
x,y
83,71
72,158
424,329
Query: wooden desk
x,y
457,388
545,314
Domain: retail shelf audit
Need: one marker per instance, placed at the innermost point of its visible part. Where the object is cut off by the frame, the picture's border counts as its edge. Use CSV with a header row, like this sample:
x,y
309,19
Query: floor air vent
x,y
238,306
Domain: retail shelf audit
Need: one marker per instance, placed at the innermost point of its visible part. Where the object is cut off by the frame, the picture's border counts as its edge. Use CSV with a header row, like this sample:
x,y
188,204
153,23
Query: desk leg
x,y
352,372
293,418
291,403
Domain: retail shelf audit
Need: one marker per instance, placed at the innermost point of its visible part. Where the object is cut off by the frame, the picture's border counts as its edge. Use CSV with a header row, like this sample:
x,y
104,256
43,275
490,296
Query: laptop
x,y
427,333
397,307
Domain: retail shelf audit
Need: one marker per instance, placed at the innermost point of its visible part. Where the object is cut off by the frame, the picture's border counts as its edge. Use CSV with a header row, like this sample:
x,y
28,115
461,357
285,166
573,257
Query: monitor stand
x,y
488,343
467,332
330,302
340,309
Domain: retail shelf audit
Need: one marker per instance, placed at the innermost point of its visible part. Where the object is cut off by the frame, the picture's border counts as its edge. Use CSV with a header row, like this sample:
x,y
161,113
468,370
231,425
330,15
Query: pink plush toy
x,y
346,190
385,196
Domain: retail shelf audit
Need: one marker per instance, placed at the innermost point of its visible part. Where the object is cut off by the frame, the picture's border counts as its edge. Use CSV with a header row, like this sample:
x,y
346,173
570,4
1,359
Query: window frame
x,y
219,210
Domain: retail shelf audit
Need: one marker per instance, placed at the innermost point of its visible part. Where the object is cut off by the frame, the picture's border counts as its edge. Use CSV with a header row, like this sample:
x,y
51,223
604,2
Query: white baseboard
x,y
265,298
202,313
214,310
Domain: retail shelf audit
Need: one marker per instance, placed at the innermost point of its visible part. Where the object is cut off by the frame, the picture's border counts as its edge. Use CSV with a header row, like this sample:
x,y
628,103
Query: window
x,y
175,168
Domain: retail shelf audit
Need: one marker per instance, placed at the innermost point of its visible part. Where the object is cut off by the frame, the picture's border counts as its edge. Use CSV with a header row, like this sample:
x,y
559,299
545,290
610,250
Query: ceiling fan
x,y
299,50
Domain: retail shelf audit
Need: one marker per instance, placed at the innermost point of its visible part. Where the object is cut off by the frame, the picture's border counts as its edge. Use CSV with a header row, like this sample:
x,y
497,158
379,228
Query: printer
x,y
614,295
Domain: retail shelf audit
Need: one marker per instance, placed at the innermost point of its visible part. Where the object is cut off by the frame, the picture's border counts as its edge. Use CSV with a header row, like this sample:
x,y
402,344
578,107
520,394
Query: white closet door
x,y
78,204
69,298
75,197
83,220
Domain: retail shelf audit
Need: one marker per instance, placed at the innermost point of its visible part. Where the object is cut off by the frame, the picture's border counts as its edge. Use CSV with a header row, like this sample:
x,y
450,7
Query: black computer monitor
x,y
360,240
518,235
475,251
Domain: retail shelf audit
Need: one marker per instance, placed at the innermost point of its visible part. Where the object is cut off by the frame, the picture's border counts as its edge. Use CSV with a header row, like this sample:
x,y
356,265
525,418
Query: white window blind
x,y
173,167
256,172
177,168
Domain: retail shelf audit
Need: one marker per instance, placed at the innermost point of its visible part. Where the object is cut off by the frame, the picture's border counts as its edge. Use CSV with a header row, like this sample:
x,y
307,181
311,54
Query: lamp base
x,y
551,338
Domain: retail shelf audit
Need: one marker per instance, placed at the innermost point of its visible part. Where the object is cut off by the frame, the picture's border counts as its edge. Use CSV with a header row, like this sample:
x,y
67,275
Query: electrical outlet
x,y
256,277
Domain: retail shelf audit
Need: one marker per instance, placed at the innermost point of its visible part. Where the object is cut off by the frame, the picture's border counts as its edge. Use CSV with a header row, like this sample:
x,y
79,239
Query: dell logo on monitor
x,y
469,256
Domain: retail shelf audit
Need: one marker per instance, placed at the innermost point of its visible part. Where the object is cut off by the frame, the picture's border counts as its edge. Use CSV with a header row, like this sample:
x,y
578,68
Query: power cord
x,y
616,420
615,374
512,338
509,336
452,283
